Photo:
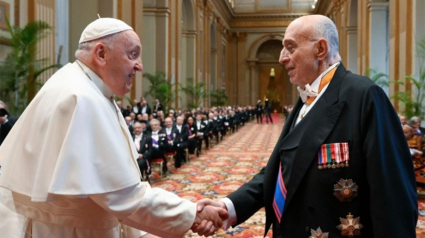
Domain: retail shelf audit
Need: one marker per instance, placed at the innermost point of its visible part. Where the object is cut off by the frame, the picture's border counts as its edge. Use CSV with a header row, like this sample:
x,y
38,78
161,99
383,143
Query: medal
x,y
334,155
350,227
345,190
318,234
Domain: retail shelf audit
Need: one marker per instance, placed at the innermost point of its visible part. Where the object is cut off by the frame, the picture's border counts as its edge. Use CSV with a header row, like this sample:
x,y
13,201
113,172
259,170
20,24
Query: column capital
x,y
377,6
351,29
241,35
252,62
200,4
337,4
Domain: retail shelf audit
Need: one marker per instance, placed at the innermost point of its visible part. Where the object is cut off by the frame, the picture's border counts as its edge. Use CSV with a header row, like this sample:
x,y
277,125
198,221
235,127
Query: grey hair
x,y
155,121
325,28
84,48
415,118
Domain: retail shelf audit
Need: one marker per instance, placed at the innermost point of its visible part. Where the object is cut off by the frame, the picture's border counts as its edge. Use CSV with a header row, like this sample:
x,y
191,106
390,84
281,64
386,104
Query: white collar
x,y
316,83
106,91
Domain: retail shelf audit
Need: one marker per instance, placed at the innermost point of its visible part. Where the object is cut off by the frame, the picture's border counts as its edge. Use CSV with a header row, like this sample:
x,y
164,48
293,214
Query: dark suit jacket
x,y
148,109
5,129
157,107
181,137
145,146
352,110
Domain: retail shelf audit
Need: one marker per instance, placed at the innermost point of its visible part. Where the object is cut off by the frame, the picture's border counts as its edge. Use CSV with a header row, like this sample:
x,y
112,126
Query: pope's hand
x,y
210,225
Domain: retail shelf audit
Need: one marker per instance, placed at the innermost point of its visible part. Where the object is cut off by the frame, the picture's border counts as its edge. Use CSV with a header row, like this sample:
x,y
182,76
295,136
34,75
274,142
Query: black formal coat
x,y
147,110
157,107
202,128
5,129
145,144
168,140
259,108
352,110
181,136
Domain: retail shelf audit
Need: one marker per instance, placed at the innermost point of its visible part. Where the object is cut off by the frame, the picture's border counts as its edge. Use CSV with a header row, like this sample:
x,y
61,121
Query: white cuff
x,y
232,213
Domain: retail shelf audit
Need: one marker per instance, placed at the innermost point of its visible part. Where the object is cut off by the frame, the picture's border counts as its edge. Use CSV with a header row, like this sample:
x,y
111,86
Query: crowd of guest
x,y
415,136
174,135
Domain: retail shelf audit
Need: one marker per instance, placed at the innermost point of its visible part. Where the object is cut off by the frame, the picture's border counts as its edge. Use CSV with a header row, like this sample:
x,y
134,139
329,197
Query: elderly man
x,y
69,164
341,167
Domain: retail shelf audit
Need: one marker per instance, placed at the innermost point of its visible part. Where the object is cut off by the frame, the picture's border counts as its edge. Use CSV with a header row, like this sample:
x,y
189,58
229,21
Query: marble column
x,y
378,37
253,88
352,49
242,68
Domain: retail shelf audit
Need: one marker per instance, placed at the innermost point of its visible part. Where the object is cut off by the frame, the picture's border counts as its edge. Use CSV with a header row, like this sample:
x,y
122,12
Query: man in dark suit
x,y
158,141
169,131
143,143
341,165
201,128
267,111
144,108
180,141
6,121
157,106
259,112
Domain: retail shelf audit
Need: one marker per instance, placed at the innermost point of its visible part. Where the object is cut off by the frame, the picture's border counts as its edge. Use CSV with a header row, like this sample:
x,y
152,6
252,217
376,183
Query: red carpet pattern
x,y
225,167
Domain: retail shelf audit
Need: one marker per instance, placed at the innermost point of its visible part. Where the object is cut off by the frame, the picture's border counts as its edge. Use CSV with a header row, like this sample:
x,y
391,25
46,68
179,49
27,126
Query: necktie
x,y
279,195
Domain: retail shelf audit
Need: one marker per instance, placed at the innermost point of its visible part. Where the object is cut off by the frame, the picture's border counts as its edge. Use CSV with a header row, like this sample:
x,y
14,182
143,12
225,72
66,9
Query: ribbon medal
x,y
334,155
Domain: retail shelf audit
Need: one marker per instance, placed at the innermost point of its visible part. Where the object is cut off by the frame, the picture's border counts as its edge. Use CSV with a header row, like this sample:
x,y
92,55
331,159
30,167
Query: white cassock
x,y
69,169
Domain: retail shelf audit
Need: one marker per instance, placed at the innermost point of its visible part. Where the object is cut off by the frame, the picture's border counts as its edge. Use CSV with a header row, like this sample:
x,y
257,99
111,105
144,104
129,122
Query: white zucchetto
x,y
103,27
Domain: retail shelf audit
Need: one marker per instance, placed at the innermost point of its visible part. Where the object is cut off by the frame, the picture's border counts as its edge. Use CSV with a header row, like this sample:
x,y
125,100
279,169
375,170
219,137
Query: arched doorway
x,y
272,77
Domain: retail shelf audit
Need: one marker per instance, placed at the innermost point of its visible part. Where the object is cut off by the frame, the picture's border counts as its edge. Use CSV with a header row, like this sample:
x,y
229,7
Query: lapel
x,y
142,141
318,124
272,170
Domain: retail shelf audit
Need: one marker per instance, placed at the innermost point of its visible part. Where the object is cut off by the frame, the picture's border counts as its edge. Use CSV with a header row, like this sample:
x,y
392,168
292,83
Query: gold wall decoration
x,y
4,11
245,24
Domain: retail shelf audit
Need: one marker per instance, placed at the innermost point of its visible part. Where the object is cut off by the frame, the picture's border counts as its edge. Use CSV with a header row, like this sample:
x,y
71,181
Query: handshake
x,y
210,216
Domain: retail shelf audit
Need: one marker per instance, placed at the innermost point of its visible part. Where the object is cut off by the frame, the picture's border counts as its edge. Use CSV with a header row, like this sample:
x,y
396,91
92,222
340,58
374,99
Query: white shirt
x,y
315,87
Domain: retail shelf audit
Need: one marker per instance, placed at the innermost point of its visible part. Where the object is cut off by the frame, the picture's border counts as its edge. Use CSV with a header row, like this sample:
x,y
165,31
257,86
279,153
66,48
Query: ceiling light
x,y
313,6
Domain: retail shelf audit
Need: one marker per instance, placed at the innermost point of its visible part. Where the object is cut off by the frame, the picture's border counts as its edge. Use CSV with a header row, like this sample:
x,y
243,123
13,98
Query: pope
x,y
69,165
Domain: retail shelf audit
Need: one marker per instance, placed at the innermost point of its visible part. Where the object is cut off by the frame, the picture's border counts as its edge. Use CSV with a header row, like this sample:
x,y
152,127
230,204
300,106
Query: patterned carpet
x,y
225,167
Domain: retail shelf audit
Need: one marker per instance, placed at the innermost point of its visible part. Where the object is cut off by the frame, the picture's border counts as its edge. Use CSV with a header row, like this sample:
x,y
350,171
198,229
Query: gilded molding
x,y
243,24
157,10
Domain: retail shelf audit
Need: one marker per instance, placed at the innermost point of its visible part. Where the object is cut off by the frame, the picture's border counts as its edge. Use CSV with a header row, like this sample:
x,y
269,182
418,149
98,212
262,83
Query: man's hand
x,y
209,225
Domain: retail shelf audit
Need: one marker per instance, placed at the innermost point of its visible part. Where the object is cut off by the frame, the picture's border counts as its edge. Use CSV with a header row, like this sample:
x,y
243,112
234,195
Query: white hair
x,y
326,28
84,48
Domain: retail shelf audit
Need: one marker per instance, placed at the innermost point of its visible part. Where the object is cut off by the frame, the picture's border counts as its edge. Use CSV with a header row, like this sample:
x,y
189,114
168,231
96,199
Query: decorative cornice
x,y
244,24
241,35
157,10
252,62
291,16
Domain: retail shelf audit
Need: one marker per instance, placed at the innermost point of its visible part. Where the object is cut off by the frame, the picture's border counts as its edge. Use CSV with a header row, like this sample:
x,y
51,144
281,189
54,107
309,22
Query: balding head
x,y
310,46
